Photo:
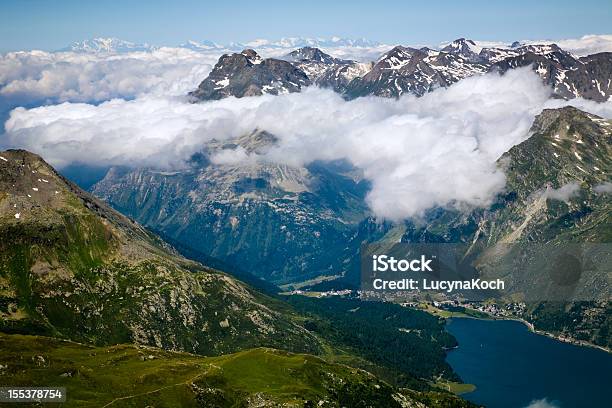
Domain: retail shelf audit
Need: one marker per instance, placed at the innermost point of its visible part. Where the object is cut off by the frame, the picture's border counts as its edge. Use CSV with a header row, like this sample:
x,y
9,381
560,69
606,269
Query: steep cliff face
x,y
72,267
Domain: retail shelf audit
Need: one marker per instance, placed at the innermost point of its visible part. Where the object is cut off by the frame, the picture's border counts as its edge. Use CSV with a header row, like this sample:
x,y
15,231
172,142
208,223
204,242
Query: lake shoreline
x,y
531,327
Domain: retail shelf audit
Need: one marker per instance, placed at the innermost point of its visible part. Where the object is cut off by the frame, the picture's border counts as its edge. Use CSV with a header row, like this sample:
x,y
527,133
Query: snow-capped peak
x,y
299,42
463,46
201,45
107,45
252,56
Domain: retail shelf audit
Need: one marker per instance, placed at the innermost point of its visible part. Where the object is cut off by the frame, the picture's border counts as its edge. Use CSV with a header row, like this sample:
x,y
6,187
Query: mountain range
x,y
404,70
116,45
106,45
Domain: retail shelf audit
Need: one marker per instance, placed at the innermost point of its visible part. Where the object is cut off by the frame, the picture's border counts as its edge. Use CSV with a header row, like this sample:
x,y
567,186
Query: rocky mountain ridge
x,y
416,71
247,74
327,71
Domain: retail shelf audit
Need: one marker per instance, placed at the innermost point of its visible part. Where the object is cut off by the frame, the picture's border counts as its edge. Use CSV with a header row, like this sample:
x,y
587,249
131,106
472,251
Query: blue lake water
x,y
512,367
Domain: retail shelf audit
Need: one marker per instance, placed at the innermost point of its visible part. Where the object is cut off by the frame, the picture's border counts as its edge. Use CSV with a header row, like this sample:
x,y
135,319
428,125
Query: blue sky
x,y
28,24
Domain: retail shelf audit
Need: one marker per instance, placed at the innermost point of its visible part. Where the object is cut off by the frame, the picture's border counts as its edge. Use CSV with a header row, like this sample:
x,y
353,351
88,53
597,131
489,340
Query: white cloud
x,y
231,156
439,149
41,77
542,403
563,193
586,45
603,188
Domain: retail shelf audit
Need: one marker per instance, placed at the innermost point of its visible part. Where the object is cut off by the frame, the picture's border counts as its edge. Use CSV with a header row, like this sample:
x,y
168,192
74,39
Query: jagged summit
x,y
312,54
398,56
464,47
415,71
252,56
247,74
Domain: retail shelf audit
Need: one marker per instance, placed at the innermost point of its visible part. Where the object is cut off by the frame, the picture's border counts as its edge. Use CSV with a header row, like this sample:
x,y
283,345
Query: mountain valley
x,y
74,270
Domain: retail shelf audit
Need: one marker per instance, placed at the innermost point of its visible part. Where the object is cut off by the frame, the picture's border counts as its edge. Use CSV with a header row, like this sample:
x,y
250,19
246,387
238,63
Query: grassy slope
x,y
125,375
71,267
137,376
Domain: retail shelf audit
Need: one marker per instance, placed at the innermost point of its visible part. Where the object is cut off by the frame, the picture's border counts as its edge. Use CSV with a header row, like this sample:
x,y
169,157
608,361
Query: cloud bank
x,y
44,77
437,150
586,45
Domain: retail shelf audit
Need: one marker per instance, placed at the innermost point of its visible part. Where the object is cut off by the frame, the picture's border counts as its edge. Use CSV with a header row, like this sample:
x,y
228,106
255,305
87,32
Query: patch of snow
x,y
222,83
541,70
